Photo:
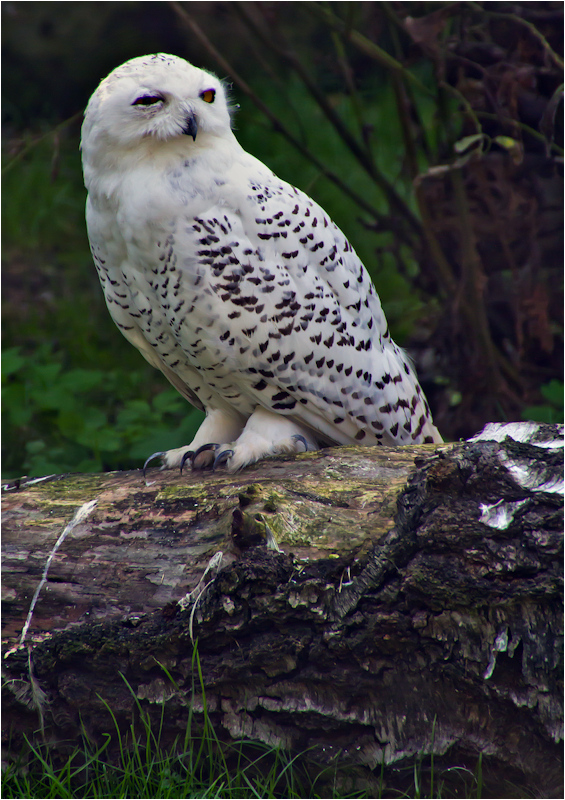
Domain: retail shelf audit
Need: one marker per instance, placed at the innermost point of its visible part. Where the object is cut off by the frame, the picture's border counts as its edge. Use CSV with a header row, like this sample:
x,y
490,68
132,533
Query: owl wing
x,y
271,305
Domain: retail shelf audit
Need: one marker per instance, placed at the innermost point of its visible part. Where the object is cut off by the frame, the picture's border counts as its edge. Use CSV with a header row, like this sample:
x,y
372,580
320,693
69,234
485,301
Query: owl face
x,y
160,97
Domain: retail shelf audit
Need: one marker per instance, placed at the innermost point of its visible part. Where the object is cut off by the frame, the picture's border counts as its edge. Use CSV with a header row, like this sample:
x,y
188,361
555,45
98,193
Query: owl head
x,y
155,97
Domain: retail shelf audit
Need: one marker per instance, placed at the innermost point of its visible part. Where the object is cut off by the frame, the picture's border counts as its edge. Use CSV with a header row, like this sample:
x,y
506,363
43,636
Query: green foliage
x,y
76,396
84,420
552,411
46,198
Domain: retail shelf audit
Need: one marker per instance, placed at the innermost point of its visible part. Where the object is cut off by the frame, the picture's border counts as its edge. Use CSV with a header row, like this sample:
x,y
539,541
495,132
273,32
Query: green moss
x,y
175,492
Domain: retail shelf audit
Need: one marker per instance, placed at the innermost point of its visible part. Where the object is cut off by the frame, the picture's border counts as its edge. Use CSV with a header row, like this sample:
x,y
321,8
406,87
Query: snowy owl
x,y
233,283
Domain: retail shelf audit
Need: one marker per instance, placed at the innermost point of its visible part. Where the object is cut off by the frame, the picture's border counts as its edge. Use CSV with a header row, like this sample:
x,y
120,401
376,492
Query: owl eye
x,y
147,100
208,95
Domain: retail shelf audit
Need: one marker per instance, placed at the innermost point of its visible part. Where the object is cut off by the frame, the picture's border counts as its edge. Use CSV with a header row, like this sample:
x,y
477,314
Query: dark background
x,y
430,132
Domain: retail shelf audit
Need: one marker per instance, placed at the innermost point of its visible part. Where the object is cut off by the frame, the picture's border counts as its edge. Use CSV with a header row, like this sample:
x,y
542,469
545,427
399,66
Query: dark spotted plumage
x,y
234,283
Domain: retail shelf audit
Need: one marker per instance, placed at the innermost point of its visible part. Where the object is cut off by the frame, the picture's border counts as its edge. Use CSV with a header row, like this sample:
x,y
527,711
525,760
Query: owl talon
x,y
155,455
188,455
222,457
207,453
299,438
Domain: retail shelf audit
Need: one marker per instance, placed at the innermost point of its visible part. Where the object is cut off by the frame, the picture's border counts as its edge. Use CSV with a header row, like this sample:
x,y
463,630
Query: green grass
x,y
134,763
200,766
145,772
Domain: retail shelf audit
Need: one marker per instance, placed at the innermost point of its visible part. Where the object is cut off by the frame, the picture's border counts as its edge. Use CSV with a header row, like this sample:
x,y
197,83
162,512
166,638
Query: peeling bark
x,y
360,596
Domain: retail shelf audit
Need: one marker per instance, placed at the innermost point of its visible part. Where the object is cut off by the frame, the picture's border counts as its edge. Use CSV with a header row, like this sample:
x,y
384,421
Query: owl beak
x,y
190,127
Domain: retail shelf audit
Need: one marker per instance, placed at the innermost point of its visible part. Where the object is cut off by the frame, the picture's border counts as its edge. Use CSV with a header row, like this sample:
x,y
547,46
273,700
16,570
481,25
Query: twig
x,y
472,281
29,147
363,156
347,73
447,282
277,124
79,517
193,597
366,45
525,128
525,23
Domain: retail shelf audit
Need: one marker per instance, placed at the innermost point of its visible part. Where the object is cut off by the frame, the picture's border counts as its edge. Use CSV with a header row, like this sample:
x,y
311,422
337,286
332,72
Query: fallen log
x,y
370,604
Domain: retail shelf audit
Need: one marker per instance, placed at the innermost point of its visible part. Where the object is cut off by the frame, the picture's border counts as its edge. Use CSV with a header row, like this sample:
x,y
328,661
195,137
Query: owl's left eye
x,y
147,100
208,95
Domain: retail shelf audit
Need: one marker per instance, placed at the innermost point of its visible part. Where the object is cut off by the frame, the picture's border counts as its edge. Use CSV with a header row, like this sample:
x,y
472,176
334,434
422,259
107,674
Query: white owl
x,y
233,283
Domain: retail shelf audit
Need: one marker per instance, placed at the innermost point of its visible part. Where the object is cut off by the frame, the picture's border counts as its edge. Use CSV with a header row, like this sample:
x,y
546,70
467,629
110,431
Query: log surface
x,y
146,544
367,607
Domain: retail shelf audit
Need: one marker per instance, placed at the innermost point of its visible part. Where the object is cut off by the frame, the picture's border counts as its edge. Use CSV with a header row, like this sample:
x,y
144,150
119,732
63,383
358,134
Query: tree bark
x,y
371,604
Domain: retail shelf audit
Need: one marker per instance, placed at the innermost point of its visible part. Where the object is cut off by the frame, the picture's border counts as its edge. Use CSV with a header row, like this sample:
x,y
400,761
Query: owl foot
x,y
249,448
205,457
246,450
174,458
209,456
265,434
217,427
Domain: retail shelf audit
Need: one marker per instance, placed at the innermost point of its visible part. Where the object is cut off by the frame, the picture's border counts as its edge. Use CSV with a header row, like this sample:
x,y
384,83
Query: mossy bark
x,y
371,604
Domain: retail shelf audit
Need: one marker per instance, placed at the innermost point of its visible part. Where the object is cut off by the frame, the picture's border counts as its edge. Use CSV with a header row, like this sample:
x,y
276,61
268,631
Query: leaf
x,y
46,373
82,380
35,447
71,423
12,361
103,439
513,147
468,141
169,402
541,414
553,391
134,412
16,411
425,30
506,141
54,399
